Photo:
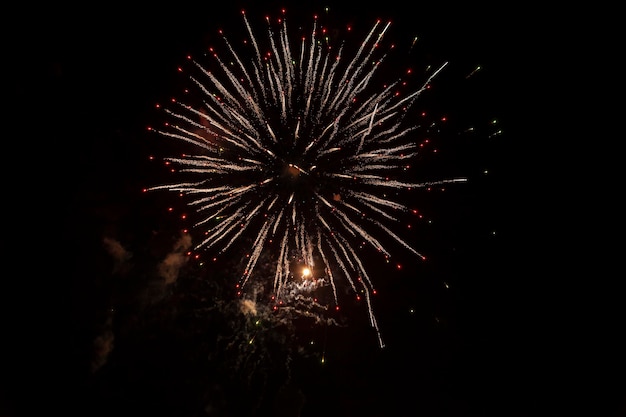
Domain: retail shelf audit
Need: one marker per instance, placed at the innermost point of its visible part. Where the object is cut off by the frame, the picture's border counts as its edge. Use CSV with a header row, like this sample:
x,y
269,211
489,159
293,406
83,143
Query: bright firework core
x,y
300,150
293,174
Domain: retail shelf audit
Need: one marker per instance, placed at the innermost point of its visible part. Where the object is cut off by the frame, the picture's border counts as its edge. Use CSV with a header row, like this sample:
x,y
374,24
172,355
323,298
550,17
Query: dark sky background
x,y
481,329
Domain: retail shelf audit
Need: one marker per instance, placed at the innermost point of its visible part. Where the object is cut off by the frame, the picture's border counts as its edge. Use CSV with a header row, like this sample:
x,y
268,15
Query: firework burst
x,y
301,148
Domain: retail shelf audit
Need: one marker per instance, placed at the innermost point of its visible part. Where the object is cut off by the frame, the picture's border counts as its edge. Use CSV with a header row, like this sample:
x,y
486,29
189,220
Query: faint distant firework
x,y
297,146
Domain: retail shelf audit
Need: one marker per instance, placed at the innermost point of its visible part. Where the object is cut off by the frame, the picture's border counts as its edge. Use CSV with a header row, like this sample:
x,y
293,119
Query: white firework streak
x,y
293,145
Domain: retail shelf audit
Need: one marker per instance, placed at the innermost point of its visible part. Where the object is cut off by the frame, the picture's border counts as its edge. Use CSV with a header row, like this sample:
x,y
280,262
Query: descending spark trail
x,y
296,151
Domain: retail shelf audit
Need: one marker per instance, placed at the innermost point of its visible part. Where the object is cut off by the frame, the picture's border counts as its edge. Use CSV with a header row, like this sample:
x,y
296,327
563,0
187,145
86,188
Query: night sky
x,y
480,329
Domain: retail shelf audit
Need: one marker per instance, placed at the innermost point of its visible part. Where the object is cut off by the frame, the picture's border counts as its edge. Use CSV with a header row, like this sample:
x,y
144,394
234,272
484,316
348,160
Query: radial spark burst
x,y
300,147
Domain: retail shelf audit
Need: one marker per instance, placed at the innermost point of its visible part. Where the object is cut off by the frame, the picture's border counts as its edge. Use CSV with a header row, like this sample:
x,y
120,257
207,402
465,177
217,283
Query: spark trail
x,y
299,150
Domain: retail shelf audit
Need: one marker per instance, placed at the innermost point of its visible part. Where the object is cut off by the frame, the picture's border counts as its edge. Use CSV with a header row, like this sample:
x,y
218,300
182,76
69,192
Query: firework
x,y
299,147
